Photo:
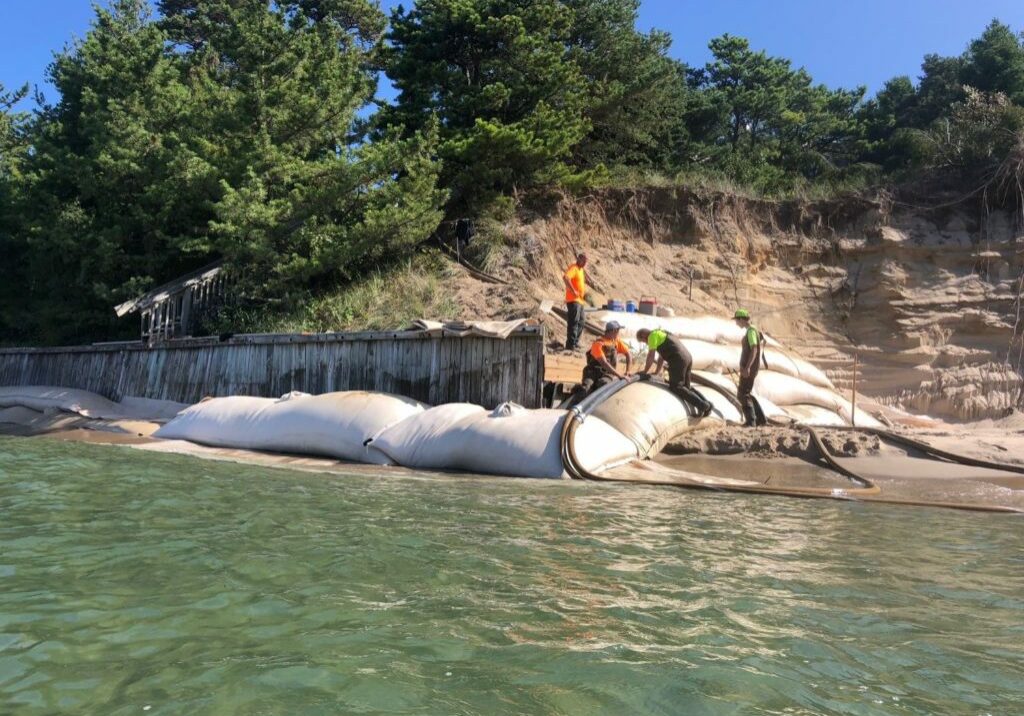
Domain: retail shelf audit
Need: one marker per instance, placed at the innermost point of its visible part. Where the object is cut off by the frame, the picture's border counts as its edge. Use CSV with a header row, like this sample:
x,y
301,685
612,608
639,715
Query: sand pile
x,y
771,442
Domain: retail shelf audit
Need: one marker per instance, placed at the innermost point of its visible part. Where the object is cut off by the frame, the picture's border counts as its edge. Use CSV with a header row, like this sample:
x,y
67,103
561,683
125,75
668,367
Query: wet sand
x,y
901,474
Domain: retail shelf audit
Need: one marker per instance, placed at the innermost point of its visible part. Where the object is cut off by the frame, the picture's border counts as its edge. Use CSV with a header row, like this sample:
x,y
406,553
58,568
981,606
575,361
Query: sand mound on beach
x,y
769,442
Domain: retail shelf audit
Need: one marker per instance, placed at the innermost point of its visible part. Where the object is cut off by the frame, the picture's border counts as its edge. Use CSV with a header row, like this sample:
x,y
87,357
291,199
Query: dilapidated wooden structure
x,y
423,365
172,310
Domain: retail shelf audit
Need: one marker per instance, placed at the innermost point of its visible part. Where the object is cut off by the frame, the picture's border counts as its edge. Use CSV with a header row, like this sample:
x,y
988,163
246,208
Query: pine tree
x,y
277,88
497,75
13,154
114,184
638,97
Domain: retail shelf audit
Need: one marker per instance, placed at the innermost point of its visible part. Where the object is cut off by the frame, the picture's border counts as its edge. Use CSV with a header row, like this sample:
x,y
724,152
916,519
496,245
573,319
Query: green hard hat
x,y
742,313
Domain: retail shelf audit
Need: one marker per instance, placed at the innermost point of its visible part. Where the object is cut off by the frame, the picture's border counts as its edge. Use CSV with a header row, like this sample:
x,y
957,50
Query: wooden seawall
x,y
434,369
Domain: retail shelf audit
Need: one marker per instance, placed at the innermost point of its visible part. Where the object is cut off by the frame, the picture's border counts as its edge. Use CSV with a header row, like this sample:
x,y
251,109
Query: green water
x,y
133,583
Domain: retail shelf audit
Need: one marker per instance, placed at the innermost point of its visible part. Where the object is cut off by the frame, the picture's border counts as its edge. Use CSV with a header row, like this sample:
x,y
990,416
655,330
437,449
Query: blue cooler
x,y
631,306
615,305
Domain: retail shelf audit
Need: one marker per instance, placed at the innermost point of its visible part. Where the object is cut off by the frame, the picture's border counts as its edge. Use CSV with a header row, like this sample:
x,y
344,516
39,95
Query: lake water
x,y
134,583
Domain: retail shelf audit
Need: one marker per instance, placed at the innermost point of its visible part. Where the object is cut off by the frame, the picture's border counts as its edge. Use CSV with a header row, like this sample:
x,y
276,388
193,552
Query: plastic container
x,y
616,305
648,305
630,306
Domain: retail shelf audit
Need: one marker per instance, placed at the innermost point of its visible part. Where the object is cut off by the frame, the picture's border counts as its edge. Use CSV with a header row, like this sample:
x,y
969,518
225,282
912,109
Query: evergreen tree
x,y
276,88
13,248
113,181
938,90
995,62
638,97
775,126
498,76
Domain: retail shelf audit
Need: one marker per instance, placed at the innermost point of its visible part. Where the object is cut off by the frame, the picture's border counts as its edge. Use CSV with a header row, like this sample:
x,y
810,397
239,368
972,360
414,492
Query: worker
x,y
602,360
670,350
575,279
751,355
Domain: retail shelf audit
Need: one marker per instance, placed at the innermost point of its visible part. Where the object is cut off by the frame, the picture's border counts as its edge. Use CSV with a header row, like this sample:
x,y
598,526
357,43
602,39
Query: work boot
x,y
704,406
698,401
749,416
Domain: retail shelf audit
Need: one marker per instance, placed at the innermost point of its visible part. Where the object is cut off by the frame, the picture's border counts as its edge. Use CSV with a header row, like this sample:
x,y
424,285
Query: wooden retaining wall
x,y
485,371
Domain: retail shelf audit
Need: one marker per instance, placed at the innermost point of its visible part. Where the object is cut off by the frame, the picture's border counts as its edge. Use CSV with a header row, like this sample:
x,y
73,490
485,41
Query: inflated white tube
x,y
704,328
816,416
649,415
722,358
785,390
510,440
770,409
334,424
599,446
70,400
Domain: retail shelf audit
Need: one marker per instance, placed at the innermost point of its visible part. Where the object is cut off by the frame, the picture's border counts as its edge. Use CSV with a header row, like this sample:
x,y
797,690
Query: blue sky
x,y
840,43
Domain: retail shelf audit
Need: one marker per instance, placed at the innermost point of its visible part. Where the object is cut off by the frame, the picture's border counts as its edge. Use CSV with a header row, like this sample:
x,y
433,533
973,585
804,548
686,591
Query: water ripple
x,y
130,580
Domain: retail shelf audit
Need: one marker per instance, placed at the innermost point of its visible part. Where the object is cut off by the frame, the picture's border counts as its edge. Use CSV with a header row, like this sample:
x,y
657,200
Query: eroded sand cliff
x,y
928,299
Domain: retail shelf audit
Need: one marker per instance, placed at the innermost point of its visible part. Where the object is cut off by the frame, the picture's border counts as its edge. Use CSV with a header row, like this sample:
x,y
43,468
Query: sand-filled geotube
x,y
612,435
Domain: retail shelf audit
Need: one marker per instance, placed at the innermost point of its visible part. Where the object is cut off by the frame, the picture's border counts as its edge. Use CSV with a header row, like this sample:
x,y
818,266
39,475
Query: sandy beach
x,y
773,457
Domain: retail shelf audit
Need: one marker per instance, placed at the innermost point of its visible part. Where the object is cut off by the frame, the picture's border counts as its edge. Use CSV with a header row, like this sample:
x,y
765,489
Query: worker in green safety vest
x,y
670,350
751,356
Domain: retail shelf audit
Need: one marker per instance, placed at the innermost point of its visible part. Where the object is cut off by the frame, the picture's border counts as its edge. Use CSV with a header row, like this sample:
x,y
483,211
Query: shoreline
x,y
773,457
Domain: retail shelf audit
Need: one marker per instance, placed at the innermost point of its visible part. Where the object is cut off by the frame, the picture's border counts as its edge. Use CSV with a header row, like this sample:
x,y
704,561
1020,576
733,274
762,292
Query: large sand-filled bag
x,y
816,416
785,390
647,414
87,404
714,343
727,384
510,440
703,328
38,397
334,424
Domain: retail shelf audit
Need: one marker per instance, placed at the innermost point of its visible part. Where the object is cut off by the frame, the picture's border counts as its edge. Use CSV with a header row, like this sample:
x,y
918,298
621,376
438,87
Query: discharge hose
x,y
865,489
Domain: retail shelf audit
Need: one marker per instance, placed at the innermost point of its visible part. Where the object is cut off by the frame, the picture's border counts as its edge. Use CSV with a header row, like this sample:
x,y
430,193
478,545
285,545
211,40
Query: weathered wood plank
x,y
434,369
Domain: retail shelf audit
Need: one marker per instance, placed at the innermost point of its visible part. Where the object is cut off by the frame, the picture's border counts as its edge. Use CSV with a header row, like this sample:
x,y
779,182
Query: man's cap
x,y
612,326
742,313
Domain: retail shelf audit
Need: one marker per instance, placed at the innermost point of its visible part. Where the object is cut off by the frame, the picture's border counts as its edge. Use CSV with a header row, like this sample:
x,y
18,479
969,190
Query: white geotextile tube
x,y
728,384
705,328
333,424
785,390
713,342
815,416
509,440
647,414
86,403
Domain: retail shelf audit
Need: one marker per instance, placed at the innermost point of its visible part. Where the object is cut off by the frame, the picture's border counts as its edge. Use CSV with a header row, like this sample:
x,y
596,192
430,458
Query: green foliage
x,y
637,96
238,129
962,115
498,77
995,63
112,181
774,126
978,133
328,219
225,129
384,299
13,153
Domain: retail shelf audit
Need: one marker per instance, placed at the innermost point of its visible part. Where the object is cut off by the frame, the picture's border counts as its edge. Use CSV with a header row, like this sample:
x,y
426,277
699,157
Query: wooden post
x,y
853,409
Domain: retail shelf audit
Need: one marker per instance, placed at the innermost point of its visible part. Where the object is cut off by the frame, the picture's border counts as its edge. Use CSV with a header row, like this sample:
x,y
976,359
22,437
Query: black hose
x,y
867,489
